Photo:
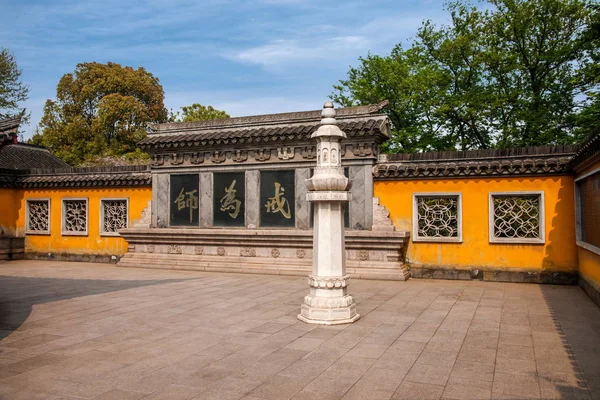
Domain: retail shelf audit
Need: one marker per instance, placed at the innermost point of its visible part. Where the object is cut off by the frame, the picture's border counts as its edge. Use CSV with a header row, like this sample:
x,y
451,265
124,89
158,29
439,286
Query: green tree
x,y
12,90
197,112
511,75
100,113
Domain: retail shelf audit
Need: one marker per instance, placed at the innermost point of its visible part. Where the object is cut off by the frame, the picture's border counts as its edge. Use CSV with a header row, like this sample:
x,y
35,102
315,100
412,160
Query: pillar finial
x,y
328,114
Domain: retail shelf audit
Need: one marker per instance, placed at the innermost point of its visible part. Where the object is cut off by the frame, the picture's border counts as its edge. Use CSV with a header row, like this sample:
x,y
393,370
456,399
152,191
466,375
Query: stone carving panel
x,y
75,216
248,252
174,249
114,215
516,216
38,216
438,216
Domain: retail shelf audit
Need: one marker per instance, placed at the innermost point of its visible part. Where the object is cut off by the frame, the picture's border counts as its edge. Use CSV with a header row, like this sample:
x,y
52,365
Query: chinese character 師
x,y
187,200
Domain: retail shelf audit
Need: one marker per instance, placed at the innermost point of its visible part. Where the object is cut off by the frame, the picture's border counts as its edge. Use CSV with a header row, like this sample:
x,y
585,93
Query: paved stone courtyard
x,y
77,330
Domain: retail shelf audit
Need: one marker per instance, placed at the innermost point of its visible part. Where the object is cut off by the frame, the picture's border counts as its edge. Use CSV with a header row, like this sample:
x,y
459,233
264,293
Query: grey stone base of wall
x,y
544,277
96,258
369,254
591,290
12,248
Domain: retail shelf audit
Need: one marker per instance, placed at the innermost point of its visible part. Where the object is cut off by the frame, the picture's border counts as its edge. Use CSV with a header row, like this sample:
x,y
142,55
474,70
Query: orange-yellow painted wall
x,y
559,253
9,208
589,266
93,243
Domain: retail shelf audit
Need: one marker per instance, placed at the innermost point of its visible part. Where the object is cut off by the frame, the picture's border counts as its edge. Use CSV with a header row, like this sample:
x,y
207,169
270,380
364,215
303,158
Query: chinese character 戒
x,y
279,203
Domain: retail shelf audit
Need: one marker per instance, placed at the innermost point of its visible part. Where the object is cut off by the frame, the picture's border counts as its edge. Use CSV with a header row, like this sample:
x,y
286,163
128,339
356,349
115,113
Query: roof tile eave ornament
x,y
129,176
376,126
482,168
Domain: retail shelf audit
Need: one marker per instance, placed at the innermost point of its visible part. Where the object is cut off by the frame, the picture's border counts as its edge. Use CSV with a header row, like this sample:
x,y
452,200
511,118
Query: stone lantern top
x,y
328,123
328,114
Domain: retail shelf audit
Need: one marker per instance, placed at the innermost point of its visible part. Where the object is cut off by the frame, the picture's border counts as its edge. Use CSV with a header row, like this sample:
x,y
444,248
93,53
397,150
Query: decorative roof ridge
x,y
120,169
267,119
587,150
28,145
10,124
485,154
273,125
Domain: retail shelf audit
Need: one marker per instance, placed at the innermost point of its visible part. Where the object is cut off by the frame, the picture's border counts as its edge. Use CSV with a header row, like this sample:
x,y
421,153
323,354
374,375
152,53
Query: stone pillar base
x,y
328,316
328,311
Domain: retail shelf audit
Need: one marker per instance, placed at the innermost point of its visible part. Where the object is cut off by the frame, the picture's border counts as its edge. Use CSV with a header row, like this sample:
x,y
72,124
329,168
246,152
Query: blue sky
x,y
245,57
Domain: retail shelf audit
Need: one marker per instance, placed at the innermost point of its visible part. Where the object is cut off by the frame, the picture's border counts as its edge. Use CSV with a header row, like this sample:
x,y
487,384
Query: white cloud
x,y
281,52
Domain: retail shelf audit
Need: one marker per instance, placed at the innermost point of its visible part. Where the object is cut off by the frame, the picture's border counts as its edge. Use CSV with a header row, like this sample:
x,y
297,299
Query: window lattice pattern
x,y
39,220
438,216
114,214
75,219
517,217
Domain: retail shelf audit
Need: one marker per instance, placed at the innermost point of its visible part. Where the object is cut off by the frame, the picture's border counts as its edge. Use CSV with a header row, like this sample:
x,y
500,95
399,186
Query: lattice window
x,y
38,216
75,217
587,206
517,217
114,215
437,217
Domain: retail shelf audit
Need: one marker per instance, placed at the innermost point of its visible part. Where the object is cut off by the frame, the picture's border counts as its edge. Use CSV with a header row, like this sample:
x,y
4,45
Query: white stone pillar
x,y
328,302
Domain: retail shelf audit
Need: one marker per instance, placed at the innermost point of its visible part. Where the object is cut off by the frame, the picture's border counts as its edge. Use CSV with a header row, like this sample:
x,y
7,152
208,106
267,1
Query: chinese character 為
x,y
229,202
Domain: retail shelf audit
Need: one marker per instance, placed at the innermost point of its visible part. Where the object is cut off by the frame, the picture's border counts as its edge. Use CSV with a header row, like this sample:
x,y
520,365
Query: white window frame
x,y
64,214
578,234
27,230
415,218
541,239
102,200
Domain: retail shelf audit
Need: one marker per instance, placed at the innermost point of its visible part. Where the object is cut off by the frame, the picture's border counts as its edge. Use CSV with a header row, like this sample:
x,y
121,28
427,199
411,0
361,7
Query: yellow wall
x,y
589,266
93,243
9,208
589,262
559,253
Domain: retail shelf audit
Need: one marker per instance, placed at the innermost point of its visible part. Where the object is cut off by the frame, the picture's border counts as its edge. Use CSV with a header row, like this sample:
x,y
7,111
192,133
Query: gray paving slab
x,y
93,331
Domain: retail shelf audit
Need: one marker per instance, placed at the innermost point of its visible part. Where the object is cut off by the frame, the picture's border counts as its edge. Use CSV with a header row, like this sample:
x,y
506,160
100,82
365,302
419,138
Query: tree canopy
x,y
101,112
12,90
197,112
515,73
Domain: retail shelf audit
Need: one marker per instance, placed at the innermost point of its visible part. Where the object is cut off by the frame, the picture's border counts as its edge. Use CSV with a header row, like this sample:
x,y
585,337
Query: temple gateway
x,y
230,195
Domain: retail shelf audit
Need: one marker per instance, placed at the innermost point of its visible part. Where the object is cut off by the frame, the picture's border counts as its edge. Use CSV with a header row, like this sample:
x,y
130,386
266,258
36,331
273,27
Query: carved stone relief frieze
x,y
218,157
239,155
247,252
262,154
286,153
174,249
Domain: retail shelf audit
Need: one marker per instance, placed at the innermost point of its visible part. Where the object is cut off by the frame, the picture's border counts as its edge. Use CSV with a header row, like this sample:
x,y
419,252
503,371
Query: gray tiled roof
x,y
268,119
9,128
10,124
354,121
366,126
125,176
494,162
26,156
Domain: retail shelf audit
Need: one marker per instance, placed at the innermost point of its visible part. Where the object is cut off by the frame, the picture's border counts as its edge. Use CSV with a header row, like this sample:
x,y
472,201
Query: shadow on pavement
x,y
19,294
577,319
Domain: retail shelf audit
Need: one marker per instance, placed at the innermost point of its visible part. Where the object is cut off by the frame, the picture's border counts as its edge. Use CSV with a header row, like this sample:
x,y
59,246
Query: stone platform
x,y
370,254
